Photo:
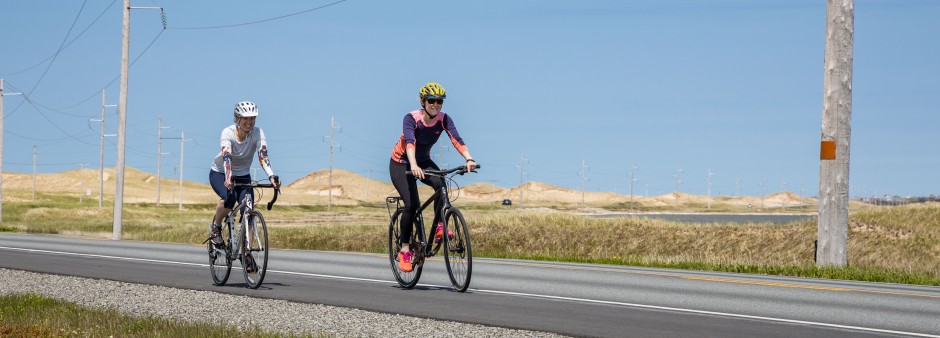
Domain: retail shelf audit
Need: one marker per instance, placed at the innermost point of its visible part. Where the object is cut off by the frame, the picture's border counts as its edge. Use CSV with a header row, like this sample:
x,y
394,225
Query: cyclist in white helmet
x,y
239,143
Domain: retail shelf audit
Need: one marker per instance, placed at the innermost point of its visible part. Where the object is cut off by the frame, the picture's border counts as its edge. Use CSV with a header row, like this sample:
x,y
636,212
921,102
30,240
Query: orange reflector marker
x,y
827,150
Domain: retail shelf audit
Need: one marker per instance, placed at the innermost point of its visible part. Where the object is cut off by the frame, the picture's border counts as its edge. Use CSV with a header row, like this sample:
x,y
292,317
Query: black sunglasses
x,y
437,101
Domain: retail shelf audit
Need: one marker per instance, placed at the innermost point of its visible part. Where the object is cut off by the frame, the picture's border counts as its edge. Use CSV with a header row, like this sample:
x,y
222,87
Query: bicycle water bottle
x,y
237,235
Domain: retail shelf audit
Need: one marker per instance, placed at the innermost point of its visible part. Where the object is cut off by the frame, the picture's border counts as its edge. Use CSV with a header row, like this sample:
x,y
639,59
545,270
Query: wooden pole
x,y
832,229
122,126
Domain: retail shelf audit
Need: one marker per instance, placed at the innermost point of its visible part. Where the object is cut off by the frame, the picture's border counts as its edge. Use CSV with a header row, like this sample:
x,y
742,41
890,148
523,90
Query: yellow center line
x,y
803,286
721,280
597,269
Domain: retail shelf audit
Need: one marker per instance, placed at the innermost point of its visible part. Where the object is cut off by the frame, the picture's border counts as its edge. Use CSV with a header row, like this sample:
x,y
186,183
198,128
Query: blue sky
x,y
731,87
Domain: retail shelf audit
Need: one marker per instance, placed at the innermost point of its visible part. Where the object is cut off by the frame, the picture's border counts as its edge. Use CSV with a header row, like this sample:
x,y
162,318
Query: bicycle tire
x,y
458,253
407,280
257,248
220,263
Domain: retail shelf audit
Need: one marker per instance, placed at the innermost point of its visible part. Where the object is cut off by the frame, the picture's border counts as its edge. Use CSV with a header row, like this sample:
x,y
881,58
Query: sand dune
x,y
349,188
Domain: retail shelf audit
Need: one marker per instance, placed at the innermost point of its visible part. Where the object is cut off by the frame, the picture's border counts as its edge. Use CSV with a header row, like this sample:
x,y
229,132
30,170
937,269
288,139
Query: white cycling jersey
x,y
243,152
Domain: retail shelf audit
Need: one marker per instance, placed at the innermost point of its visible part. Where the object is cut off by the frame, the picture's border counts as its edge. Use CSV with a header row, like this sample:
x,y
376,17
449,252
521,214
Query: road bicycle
x,y
246,241
456,244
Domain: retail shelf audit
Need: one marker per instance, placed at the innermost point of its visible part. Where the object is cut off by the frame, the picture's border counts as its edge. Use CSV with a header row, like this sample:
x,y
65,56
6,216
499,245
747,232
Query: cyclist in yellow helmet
x,y
420,131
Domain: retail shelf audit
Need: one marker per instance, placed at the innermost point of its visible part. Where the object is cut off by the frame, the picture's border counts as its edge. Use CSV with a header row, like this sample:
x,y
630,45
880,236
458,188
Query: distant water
x,y
716,218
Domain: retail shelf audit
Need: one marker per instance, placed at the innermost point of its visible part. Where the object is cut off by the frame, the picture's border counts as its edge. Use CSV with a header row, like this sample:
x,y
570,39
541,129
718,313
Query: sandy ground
x,y
352,189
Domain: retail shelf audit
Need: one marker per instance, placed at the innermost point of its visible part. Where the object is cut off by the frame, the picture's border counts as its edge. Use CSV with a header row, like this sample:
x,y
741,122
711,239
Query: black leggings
x,y
407,187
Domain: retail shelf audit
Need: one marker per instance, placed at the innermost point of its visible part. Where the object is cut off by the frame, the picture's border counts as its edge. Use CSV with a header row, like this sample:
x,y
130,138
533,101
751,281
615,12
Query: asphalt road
x,y
571,299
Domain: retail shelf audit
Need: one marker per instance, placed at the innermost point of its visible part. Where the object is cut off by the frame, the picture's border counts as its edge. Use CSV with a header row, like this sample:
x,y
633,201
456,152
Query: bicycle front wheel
x,y
405,279
255,258
457,251
219,264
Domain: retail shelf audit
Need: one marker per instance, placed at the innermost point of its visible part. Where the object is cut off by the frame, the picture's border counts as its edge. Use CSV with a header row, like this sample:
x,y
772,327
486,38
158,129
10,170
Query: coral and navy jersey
x,y
420,136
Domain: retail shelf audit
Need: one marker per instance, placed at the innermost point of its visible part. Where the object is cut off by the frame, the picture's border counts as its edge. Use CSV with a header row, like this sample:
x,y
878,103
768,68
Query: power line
x,y
260,21
56,55
34,103
67,44
36,139
98,91
73,136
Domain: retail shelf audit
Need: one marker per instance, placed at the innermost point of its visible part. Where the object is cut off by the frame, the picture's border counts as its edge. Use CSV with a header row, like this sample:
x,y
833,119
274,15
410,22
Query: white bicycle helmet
x,y
246,109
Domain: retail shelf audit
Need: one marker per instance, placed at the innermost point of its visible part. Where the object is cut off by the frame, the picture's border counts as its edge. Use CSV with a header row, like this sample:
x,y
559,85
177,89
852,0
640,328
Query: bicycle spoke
x,y
405,279
457,249
220,266
255,256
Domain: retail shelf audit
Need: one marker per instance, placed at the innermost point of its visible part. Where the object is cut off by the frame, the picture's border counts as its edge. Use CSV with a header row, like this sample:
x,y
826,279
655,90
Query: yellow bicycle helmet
x,y
432,90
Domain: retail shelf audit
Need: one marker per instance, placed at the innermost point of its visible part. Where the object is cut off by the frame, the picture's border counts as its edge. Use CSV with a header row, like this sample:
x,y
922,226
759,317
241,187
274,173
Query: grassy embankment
x,y
37,316
886,244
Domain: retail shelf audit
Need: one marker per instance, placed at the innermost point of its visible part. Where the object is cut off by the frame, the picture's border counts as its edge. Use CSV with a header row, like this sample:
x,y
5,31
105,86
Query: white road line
x,y
509,293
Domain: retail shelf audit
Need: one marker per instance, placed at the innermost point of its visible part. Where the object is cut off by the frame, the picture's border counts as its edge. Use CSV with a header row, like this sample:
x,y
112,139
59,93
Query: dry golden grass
x,y
139,187
905,239
900,244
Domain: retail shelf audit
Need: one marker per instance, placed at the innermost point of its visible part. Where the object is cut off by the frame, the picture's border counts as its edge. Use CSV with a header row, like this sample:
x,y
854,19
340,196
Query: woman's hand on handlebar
x,y
417,172
471,165
276,181
229,184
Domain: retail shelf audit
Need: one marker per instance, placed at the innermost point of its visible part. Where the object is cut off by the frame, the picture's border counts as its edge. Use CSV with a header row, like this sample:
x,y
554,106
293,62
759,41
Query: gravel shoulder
x,y
268,314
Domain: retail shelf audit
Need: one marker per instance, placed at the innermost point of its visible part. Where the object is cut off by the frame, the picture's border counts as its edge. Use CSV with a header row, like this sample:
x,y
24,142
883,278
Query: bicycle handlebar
x,y
277,191
459,170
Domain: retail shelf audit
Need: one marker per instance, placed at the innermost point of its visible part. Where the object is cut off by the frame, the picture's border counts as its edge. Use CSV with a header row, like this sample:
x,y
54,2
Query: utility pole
x,y
582,184
1,150
174,174
160,152
678,180
2,94
81,175
709,188
737,186
34,172
182,157
122,119
440,157
783,188
832,229
101,151
522,162
762,193
330,187
122,125
632,181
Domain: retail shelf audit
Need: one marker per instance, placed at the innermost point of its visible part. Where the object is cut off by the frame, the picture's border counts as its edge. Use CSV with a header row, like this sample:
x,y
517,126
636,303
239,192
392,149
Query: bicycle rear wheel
x,y
220,266
255,260
405,279
457,250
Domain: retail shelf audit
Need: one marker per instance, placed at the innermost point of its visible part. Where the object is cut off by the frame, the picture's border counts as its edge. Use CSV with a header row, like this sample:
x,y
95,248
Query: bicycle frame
x,y
424,249
455,246
244,206
430,251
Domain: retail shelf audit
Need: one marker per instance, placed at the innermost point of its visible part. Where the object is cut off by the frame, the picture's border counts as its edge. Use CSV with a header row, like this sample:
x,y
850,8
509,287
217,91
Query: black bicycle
x,y
246,241
456,243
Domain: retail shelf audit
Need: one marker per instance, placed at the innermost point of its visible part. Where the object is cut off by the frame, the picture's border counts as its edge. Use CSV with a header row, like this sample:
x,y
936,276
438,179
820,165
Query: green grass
x,y
886,244
29,315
